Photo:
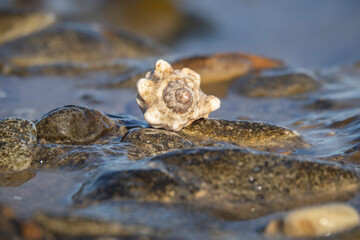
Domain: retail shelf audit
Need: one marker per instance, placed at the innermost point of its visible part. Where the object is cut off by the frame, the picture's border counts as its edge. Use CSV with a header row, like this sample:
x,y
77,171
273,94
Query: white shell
x,y
172,99
315,221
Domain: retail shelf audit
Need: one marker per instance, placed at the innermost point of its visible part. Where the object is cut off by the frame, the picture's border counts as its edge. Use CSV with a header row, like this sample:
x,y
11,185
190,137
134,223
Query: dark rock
x,y
331,104
225,182
231,182
15,179
255,135
148,142
17,140
352,123
86,158
49,156
73,125
322,104
241,173
277,86
140,184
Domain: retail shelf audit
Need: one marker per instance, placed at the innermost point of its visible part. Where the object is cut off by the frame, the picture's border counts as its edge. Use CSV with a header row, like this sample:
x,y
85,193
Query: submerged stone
x,y
224,182
240,173
78,157
351,123
15,179
277,86
147,142
73,124
17,140
140,184
255,135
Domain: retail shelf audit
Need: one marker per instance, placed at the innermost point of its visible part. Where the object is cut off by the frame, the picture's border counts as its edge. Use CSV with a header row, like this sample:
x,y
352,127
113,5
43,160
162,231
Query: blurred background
x,y
306,33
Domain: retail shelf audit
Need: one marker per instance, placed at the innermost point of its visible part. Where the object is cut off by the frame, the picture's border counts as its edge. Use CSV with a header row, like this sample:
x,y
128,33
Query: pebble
x,y
73,125
17,139
277,86
322,220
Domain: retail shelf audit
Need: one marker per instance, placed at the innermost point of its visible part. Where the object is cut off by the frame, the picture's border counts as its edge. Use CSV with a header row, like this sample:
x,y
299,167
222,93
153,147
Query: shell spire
x,y
172,99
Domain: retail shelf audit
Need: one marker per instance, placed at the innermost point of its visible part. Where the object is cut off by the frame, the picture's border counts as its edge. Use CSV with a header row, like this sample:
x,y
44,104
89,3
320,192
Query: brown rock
x,y
73,125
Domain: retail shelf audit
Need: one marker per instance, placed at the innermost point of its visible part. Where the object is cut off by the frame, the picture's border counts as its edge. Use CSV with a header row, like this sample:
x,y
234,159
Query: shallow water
x,y
319,38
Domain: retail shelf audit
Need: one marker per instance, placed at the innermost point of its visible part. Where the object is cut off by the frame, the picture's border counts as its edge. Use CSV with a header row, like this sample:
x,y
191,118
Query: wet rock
x,y
148,142
255,135
88,157
323,220
140,184
17,140
17,24
77,43
115,135
348,128
331,104
73,125
15,179
65,227
240,173
227,183
50,156
351,154
221,67
277,86
75,157
243,181
349,122
322,104
85,158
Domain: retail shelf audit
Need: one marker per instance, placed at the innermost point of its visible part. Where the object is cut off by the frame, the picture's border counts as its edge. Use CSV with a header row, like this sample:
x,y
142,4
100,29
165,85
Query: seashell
x,y
172,99
311,221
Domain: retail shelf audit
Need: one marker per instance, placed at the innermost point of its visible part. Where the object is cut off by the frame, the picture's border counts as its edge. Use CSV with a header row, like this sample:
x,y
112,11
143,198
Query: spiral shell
x,y
172,99
178,97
